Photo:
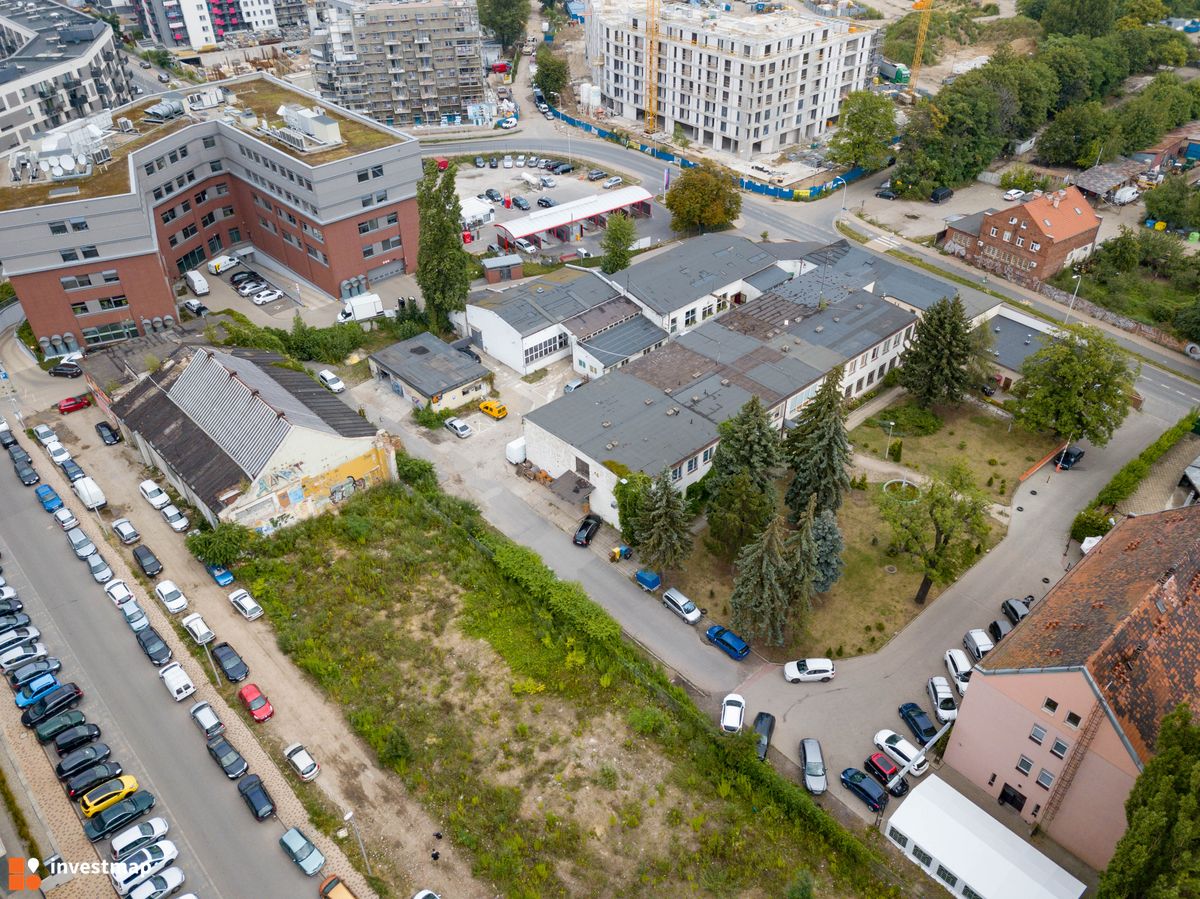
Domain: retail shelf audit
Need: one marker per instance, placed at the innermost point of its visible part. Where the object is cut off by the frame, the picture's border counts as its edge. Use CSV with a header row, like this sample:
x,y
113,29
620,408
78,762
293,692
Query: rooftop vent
x,y
672,411
784,348
858,306
724,382
606,424
819,328
649,402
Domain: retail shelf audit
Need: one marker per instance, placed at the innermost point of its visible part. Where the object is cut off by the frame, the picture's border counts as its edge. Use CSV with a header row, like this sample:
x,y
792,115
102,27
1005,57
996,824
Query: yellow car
x,y
108,793
494,409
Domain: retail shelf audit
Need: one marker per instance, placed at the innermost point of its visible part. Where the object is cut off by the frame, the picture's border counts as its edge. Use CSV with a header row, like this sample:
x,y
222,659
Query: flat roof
x,y
975,847
574,211
429,365
624,340
535,305
1016,337
51,24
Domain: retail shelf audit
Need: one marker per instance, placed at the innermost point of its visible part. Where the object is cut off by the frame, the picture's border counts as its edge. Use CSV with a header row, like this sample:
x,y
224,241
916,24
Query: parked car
x,y
942,698
61,698
733,713
196,308
73,404
45,435
918,722
1014,610
137,837
81,759
901,751
546,202
81,544
117,816
884,770
197,629
125,531
256,703
458,428
38,688
227,757
245,605
268,295
230,663
222,576
727,641
302,762
153,494
58,453
1014,194
493,409
674,600
805,670
72,470
153,646
861,785
107,795
597,175
812,762
147,561
886,194
135,615
170,596
302,851
66,370
330,381
958,666
243,276
764,727
494,195
49,499
26,475
999,629
17,655
614,181
118,592
142,865
256,797
19,677
76,738
977,644
206,719
98,568
176,519
521,203
161,885
66,518
90,778
1068,458
588,529
109,435
251,287
479,163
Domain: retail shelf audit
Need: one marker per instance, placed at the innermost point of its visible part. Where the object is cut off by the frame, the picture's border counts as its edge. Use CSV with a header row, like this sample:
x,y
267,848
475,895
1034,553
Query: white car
x,y
302,762
330,381
153,494
900,751
66,518
270,295
245,604
58,452
1014,194
125,531
521,161
614,181
170,596
176,519
733,713
198,630
160,885
134,838
942,698
17,656
45,435
142,865
958,666
807,670
506,124
508,162
458,427
524,246
118,592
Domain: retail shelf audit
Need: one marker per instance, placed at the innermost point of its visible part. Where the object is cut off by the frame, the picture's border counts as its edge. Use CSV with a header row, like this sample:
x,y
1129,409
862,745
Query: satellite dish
x,y
81,161
56,171
44,165
68,164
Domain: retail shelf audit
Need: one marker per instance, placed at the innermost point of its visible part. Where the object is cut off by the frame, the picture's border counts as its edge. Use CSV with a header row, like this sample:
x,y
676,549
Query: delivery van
x,y
197,283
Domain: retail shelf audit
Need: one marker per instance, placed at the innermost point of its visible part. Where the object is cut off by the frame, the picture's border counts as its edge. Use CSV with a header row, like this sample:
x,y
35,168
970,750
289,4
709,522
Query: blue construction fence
x,y
755,187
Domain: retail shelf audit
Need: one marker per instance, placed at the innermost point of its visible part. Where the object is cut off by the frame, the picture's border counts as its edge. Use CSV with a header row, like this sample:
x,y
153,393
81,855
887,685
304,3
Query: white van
x,y
179,685
197,283
222,264
89,493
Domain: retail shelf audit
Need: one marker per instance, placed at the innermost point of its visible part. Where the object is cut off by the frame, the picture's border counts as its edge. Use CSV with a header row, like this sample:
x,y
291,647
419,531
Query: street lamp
x,y
887,450
1074,293
349,819
845,187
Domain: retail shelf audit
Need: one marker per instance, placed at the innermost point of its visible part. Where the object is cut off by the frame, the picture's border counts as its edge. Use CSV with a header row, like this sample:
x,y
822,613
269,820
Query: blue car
x,y
40,686
861,785
223,576
918,722
50,500
728,642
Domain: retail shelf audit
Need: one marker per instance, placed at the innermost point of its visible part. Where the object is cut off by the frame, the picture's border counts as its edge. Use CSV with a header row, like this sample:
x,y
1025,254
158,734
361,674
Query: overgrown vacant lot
x,y
509,705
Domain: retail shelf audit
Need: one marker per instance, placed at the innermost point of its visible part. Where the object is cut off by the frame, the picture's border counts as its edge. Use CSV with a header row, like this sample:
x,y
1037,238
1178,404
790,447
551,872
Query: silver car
x,y
134,616
458,427
125,531
681,606
80,543
100,570
813,763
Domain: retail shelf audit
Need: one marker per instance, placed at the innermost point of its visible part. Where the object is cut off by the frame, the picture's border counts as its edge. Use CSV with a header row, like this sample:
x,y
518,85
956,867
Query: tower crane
x,y
650,117
926,9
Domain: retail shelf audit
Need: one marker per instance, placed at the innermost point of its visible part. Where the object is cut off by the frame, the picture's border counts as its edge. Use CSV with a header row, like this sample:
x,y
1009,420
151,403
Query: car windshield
x,y
965,675
689,606
814,768
945,703
257,703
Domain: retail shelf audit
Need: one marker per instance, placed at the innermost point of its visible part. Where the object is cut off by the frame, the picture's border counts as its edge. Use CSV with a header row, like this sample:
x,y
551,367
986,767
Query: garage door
x,y
386,271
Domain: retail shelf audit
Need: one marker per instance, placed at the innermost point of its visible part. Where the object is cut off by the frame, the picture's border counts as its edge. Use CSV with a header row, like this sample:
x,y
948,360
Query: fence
x,y
748,184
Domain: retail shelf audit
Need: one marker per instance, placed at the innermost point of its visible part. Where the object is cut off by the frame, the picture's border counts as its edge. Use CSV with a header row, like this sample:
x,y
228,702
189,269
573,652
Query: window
x,y
376,171
168,216
214,244
924,857
89,252
545,348
897,837
1050,706
393,218
968,893
209,143
216,166
291,218
1035,246
78,224
689,318
368,251
1059,748
364,175
110,333
201,196
692,464
1024,764
1007,236
189,261
708,454
390,243
69,255
676,473
944,874
58,227
993,232
1020,241
79,308
1045,779
188,231
110,276
1038,734
221,189
119,302
1073,719
208,219
368,226
75,282
235,235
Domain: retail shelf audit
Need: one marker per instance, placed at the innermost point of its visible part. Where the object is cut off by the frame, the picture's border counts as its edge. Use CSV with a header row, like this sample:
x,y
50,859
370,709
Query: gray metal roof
x,y
504,261
428,365
791,249
624,340
768,278
1013,341
691,269
970,224
599,318
536,305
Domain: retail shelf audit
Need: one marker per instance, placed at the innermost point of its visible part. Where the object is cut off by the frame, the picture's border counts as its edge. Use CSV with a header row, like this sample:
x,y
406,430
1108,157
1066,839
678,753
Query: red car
x,y
254,701
73,404
883,769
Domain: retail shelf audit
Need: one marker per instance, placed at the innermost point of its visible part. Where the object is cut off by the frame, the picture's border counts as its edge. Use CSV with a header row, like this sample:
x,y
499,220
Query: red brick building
x,y
1030,241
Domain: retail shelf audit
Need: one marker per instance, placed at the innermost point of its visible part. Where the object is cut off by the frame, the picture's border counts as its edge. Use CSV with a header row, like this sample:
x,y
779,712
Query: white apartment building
x,y
738,81
196,24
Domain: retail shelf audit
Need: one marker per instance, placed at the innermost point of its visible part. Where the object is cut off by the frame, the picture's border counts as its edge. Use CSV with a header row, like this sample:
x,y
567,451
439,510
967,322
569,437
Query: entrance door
x,y
1009,796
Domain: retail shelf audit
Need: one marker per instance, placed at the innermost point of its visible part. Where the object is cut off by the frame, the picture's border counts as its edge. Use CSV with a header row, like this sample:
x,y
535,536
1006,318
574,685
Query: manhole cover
x,y
890,569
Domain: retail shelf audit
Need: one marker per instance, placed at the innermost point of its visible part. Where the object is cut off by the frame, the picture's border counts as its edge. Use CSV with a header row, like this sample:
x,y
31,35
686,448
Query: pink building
x,y
1060,718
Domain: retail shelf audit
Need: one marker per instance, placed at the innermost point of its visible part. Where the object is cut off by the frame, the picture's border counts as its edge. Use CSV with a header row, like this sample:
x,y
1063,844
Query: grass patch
x,y
995,453
20,823
847,231
534,376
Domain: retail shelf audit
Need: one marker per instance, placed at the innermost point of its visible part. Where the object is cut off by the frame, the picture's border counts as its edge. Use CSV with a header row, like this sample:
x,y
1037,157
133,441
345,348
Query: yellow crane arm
x,y
926,8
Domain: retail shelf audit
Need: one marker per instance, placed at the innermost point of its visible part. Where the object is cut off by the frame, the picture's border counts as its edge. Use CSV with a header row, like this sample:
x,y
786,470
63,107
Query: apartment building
x,y
1064,713
56,65
94,253
738,81
195,24
403,64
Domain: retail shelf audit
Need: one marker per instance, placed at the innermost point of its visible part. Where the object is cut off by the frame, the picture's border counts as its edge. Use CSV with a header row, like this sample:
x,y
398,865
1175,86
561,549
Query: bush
x,y
427,418
417,473
1022,177
1090,523
913,421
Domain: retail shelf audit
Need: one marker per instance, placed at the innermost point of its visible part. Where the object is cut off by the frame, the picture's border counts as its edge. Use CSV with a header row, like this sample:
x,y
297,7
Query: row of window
x,y
110,333
1058,748
369,225
160,163
89,279
73,224
282,170
1034,246
289,237
374,199
375,171
74,254
1044,779
943,873
388,243
104,304
1050,707
219,189
1009,258
547,347
274,188
692,464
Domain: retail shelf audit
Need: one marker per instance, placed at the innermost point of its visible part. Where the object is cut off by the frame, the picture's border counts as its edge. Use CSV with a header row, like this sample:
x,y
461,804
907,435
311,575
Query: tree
x,y
553,73
703,198
1139,13
1171,201
936,365
865,130
617,243
1091,17
817,451
940,527
1079,136
1159,855
765,584
749,444
829,548
443,266
1077,386
506,19
223,545
631,493
738,512
665,536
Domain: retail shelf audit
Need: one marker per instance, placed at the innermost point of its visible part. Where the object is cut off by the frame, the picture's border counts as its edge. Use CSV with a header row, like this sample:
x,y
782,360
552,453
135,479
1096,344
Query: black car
x,y
494,195
587,530
1068,458
987,389
17,453
28,476
563,168
75,737
63,697
521,203
764,726
231,663
1014,610
8,606
80,759
110,435
546,202
7,438
65,370
918,722
244,275
153,646
258,800
861,785
470,354
23,675
227,757
91,777
117,816
479,163
147,561
883,769
493,163
597,175
886,194
11,622
999,629
72,470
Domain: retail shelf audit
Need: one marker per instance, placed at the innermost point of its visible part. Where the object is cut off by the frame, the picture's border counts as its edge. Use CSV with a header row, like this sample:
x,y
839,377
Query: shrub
x,y
417,473
896,450
1090,522
427,418
913,421
1022,177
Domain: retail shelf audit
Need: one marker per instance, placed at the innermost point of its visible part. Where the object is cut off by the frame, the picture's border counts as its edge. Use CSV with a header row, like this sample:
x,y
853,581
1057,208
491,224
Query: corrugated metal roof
x,y
574,211
535,305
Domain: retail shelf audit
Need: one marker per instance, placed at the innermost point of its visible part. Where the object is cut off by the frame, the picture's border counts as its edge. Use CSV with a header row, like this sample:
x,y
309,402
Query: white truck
x,y
179,685
363,307
89,493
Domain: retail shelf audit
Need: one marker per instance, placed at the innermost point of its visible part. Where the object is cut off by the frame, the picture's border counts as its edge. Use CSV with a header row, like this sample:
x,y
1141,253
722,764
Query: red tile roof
x,y
1059,214
1128,612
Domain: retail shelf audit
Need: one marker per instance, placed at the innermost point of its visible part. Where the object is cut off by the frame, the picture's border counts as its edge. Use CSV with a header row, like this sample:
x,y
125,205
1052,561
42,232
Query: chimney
x,y
1056,199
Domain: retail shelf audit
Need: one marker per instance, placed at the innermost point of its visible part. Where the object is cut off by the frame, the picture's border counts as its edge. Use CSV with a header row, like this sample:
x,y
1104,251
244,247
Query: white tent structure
x,y
969,852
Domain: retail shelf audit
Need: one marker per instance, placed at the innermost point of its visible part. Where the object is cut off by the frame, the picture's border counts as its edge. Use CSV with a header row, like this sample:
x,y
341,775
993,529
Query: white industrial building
x,y
732,78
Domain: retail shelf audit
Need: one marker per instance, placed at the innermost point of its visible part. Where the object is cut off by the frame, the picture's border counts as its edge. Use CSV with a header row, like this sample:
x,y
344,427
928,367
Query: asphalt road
x,y
223,851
